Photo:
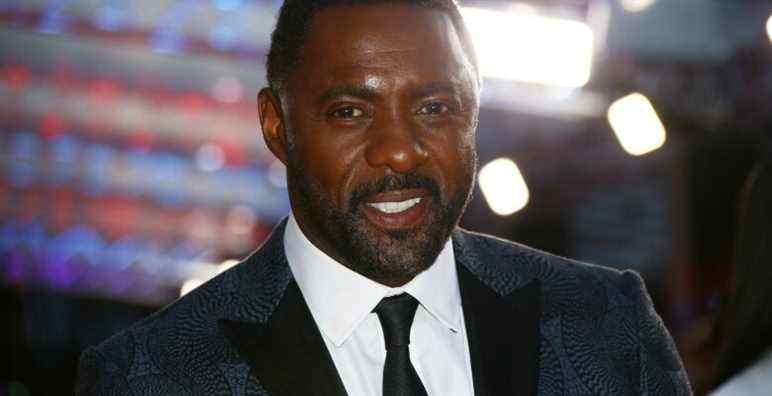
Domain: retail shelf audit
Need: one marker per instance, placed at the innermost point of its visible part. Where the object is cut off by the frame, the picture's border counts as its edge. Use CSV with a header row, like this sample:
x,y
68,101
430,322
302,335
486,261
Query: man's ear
x,y
272,123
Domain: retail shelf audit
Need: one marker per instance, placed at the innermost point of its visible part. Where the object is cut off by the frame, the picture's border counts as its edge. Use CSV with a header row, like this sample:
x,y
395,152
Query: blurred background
x,y
132,169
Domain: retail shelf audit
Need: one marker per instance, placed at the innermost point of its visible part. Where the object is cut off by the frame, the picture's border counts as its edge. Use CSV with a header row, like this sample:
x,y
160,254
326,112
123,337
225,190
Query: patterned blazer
x,y
537,324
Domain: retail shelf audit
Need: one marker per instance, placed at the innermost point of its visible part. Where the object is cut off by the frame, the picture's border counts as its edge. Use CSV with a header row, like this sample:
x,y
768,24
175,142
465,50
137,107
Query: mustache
x,y
391,183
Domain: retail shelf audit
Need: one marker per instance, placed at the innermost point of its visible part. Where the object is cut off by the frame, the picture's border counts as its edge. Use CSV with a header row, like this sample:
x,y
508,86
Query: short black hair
x,y
295,19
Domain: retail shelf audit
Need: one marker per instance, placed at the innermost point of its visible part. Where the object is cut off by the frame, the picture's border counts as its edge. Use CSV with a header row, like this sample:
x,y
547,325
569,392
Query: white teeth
x,y
395,207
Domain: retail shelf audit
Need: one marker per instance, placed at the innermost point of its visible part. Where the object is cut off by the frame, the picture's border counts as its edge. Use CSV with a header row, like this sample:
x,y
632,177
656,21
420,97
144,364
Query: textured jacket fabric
x,y
538,324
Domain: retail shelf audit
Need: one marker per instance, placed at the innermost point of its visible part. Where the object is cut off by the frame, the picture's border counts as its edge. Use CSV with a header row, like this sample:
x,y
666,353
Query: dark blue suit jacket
x,y
537,324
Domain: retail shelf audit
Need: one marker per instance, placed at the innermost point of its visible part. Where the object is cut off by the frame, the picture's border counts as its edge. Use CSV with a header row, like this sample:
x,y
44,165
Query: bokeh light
x,y
503,186
636,124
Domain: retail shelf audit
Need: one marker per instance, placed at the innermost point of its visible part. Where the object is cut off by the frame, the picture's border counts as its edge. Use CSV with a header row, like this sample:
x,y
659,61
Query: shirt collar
x,y
340,299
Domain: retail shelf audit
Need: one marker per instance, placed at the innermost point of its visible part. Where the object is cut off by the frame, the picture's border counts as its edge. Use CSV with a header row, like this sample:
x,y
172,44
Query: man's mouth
x,y
398,209
395,207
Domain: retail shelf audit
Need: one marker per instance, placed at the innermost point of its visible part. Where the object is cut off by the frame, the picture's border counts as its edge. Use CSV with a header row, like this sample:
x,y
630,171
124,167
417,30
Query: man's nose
x,y
395,144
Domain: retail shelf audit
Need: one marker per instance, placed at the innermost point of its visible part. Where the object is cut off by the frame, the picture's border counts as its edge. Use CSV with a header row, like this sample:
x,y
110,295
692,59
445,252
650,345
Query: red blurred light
x,y
32,205
117,216
234,153
105,90
16,77
4,200
63,209
193,104
51,125
142,140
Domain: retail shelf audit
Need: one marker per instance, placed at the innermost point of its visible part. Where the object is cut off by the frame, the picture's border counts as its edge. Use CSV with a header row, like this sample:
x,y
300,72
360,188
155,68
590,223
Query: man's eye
x,y
348,112
433,108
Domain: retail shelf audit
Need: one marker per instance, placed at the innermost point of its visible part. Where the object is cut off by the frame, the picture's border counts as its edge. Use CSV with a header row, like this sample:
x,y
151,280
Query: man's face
x,y
377,133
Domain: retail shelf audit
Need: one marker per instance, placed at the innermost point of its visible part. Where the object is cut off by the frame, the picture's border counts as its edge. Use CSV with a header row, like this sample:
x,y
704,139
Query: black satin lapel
x,y
503,336
287,354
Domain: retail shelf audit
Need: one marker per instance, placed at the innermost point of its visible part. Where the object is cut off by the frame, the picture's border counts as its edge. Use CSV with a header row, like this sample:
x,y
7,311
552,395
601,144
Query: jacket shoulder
x,y
154,353
166,351
601,320
505,265
181,349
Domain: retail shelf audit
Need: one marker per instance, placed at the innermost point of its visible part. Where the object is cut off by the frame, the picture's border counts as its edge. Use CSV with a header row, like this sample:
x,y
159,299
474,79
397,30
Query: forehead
x,y
350,42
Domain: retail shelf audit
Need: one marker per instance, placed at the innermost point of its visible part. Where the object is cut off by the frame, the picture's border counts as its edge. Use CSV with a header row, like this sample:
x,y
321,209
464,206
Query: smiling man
x,y
369,287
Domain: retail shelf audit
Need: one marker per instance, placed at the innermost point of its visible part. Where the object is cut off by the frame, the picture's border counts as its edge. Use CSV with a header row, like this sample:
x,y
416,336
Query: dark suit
x,y
537,324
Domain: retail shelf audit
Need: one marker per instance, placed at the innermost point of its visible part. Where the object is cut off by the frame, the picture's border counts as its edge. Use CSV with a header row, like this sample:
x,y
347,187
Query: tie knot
x,y
396,314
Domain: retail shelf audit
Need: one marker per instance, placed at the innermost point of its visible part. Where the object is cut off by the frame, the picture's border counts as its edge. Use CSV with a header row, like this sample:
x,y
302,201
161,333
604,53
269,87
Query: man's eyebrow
x,y
357,91
437,87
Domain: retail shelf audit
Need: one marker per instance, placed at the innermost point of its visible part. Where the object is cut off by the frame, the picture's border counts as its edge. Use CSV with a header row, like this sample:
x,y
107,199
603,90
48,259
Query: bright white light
x,y
189,285
522,8
636,124
637,5
210,157
503,186
226,265
769,28
527,47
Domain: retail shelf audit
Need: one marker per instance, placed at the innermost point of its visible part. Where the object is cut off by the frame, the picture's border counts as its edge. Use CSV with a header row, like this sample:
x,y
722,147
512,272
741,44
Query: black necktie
x,y
396,315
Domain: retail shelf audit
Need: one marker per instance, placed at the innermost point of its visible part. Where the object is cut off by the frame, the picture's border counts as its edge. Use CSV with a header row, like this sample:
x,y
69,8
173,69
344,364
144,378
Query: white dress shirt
x,y
341,302
754,380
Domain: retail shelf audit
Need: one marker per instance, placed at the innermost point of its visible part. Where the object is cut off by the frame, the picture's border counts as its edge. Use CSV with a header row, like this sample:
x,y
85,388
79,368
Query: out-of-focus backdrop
x,y
132,167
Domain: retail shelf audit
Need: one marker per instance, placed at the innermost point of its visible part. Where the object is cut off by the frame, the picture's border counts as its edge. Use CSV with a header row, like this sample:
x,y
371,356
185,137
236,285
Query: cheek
x,y
329,159
467,141
461,140
454,154
466,156
463,146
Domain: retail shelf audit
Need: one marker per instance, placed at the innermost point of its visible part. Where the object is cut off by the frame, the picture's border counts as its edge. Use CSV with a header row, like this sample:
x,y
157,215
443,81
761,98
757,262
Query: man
x,y
369,287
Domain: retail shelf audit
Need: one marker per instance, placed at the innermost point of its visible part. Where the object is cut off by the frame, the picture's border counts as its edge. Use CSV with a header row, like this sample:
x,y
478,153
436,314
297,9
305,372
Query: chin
x,y
384,255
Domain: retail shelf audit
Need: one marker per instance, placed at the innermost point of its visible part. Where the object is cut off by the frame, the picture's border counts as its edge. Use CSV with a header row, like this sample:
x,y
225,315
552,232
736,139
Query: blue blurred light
x,y
112,17
53,24
15,265
25,146
65,149
53,20
227,5
34,237
168,37
223,37
167,41
99,164
79,239
10,235
63,275
25,151
170,172
9,5
185,251
22,174
64,152
122,253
